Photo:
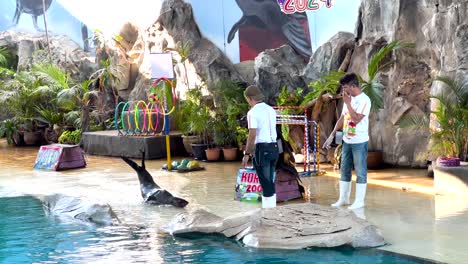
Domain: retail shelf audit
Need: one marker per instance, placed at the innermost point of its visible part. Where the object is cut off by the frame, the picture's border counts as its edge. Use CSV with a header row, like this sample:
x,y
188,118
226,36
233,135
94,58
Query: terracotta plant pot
x,y
213,154
230,154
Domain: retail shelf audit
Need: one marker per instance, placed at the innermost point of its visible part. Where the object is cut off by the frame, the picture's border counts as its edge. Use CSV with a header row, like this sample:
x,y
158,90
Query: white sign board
x,y
161,65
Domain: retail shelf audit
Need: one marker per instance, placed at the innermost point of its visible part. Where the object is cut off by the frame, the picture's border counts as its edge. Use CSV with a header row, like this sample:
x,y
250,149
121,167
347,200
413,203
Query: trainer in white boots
x,y
262,144
354,121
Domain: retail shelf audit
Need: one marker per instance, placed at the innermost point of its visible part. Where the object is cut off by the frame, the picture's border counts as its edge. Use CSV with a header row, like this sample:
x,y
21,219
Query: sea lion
x,y
267,14
150,191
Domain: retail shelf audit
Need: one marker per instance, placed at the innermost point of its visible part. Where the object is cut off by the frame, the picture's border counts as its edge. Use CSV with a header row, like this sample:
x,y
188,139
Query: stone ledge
x,y
292,226
451,180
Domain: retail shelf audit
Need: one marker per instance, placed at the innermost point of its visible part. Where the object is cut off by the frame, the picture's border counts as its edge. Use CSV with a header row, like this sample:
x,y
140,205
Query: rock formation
x,y
68,207
439,30
64,52
329,56
288,227
175,27
277,68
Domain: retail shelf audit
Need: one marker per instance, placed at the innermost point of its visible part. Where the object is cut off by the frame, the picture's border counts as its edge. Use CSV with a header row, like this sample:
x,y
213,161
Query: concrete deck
x,y
109,143
404,179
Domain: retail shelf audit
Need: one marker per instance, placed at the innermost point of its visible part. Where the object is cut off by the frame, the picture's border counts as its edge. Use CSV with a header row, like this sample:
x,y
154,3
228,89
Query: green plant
x,y
5,57
183,49
70,137
241,135
6,74
450,134
326,84
287,98
50,117
224,131
230,106
373,87
53,76
196,115
76,100
163,91
8,128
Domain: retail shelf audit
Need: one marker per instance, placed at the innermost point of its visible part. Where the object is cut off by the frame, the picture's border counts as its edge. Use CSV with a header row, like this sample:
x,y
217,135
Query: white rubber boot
x,y
345,192
272,202
360,196
264,202
269,202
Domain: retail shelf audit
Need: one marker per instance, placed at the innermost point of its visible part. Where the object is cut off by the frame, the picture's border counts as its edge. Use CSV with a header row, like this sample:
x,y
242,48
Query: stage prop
x,y
60,157
140,118
310,155
248,188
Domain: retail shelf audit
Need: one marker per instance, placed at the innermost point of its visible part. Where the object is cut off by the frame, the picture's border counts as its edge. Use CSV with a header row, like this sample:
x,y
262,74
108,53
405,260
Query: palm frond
x,y
451,134
53,75
326,84
44,91
5,57
457,91
375,66
414,121
73,118
374,90
49,116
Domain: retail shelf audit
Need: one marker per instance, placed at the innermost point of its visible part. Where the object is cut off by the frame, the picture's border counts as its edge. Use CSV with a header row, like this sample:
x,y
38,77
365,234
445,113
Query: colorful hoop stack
x,y
138,118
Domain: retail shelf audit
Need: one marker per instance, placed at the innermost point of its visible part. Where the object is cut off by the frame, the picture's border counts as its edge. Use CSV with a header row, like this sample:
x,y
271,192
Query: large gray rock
x,y
206,63
69,207
276,68
64,52
329,56
288,227
247,70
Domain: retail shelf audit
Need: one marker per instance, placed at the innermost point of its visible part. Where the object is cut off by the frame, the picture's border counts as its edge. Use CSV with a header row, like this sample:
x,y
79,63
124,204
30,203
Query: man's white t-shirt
x,y
263,118
357,133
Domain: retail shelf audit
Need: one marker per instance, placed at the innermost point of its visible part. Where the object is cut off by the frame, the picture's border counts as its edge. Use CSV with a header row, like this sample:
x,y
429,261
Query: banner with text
x,y
248,188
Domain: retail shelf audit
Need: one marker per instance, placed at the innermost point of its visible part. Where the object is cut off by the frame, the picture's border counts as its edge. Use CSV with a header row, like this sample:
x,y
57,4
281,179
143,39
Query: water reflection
x,y
422,225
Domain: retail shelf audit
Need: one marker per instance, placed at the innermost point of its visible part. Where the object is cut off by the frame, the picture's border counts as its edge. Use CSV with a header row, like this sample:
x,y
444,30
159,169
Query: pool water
x,y
28,235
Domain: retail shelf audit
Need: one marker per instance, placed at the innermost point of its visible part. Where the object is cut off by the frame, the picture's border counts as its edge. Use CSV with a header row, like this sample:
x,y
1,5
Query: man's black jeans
x,y
264,161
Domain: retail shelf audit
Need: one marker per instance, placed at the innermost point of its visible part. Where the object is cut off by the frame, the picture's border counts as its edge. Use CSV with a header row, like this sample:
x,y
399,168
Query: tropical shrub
x,y
449,136
70,137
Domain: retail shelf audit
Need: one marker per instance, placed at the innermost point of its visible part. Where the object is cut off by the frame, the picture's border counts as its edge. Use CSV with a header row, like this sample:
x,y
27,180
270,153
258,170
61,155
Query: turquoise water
x,y
28,235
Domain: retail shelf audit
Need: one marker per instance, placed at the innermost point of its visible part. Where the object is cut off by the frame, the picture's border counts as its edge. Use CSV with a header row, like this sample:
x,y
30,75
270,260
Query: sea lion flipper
x,y
143,160
131,163
296,36
235,28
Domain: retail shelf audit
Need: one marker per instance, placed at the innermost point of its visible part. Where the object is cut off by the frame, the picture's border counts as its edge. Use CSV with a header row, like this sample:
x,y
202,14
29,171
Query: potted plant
x,y
213,152
449,132
183,116
54,120
194,120
9,129
230,107
70,137
225,136
241,137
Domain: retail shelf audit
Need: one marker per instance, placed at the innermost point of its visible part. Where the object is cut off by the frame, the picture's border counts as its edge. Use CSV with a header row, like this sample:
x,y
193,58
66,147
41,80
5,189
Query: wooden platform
x,y
109,143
